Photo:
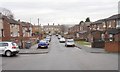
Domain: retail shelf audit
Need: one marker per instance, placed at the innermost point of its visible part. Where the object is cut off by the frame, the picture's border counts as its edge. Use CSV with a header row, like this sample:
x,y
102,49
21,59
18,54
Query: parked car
x,y
50,34
8,48
42,44
69,42
62,40
56,34
47,41
38,41
59,36
48,38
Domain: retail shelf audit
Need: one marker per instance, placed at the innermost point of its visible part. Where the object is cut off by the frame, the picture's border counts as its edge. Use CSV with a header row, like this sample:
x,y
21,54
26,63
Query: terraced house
x,y
52,29
101,33
1,27
12,30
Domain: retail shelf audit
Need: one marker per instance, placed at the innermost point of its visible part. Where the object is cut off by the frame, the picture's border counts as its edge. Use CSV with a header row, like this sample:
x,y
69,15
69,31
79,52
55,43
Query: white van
x,y
8,48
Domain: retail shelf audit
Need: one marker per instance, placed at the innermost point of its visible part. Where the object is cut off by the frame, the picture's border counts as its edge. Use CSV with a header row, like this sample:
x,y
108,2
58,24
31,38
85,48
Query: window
x,y
13,44
0,44
110,25
11,33
104,25
118,24
4,44
98,28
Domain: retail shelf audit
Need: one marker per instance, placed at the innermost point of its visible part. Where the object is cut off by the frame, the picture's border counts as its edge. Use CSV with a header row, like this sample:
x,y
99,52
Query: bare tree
x,y
6,12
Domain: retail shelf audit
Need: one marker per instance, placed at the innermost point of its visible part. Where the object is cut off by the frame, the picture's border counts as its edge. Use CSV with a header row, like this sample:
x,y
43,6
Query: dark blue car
x,y
42,44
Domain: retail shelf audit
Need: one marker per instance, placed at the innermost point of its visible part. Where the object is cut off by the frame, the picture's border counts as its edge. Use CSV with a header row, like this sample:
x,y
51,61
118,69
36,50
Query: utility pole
x,y
38,25
39,28
30,28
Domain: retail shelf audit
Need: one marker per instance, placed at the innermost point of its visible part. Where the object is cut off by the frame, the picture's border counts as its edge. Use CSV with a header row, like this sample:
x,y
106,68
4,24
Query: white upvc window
x,y
98,28
118,24
104,25
110,25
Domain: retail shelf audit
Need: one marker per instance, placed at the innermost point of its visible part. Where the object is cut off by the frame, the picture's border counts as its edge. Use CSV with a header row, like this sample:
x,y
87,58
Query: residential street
x,y
60,57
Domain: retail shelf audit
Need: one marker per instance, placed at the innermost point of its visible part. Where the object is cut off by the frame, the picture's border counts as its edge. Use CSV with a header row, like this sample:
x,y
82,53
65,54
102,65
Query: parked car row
x,y
68,42
44,43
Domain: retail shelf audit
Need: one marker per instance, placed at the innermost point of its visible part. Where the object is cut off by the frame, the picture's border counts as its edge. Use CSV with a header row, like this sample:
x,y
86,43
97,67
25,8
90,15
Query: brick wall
x,y
117,37
6,27
112,46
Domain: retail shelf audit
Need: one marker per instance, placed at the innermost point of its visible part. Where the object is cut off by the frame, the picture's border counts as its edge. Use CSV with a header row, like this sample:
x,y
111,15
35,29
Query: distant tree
x,y
6,12
87,19
81,22
37,32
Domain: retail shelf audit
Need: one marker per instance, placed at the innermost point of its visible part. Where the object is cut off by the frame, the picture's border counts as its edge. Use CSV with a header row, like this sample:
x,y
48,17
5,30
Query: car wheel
x,y
14,54
8,53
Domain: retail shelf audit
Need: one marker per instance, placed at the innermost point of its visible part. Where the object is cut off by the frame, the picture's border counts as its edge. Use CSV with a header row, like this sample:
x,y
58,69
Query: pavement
x,y
90,49
33,50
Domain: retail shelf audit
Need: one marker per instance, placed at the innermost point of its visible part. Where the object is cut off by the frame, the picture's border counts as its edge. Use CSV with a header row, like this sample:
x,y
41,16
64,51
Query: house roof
x,y
12,21
113,31
26,24
98,21
117,16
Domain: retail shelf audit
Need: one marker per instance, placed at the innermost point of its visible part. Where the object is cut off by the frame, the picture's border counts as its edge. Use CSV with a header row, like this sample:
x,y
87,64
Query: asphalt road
x,y
61,58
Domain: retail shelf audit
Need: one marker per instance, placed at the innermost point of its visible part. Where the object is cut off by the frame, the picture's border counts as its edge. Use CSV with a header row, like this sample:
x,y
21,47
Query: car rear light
x,y
13,47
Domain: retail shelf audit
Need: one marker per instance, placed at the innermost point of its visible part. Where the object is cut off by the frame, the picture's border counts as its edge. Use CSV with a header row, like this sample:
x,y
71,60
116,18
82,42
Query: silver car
x,y
69,42
8,48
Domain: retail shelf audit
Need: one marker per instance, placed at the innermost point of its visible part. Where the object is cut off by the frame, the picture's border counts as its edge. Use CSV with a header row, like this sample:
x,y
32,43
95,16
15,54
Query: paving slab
x,y
90,49
33,50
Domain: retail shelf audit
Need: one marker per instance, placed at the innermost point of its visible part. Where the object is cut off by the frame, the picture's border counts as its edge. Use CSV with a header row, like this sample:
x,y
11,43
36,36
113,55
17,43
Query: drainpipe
x,y
2,33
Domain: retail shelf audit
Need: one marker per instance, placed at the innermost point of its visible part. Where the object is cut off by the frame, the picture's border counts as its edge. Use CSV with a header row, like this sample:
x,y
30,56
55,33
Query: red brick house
x,y
96,34
112,44
6,29
74,31
12,30
84,30
25,33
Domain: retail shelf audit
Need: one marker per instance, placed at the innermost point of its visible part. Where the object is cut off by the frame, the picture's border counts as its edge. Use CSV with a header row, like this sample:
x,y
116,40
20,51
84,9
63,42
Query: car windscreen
x,y
42,42
70,41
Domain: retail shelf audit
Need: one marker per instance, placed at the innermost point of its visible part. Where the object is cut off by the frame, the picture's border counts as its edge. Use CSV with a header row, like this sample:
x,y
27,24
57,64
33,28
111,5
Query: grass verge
x,y
83,42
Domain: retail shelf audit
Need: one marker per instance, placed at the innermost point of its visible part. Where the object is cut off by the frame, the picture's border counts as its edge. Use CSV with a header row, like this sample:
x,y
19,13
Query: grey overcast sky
x,y
60,11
